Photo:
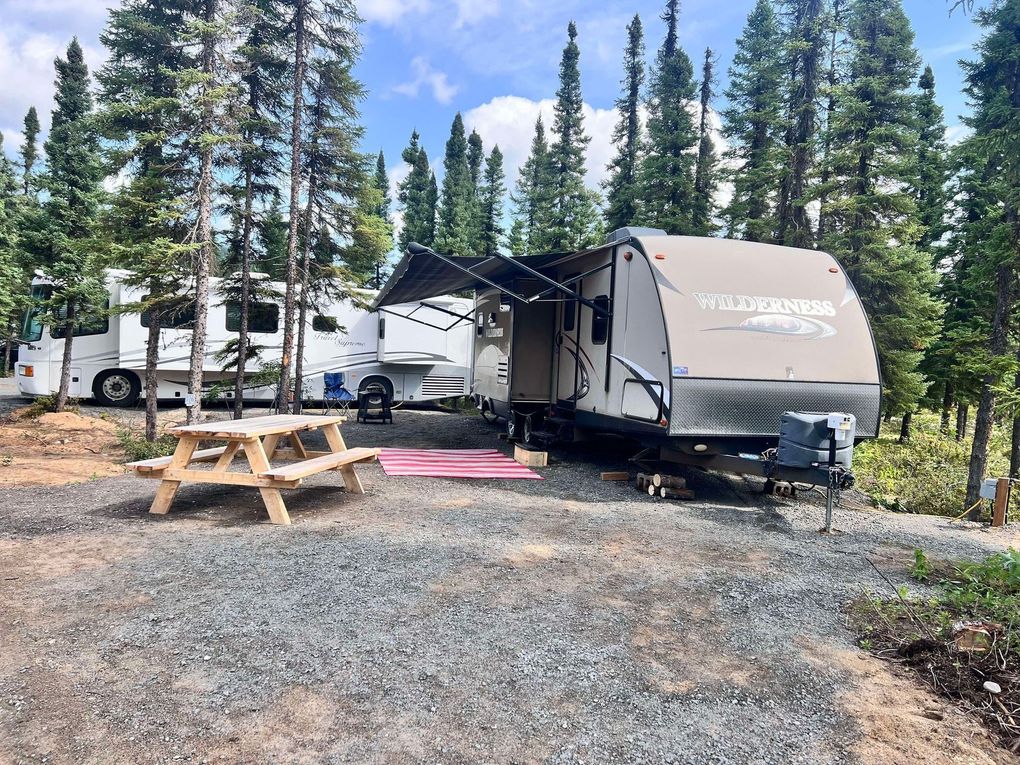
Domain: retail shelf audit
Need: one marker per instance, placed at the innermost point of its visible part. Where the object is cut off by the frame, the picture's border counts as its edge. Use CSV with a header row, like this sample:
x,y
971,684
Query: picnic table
x,y
259,439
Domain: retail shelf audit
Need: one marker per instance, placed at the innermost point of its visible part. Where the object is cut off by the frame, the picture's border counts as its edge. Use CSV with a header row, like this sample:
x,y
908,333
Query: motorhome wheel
x,y
117,387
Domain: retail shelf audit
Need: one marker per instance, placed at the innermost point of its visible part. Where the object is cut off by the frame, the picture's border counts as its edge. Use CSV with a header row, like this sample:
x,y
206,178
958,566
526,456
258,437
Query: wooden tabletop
x,y
254,427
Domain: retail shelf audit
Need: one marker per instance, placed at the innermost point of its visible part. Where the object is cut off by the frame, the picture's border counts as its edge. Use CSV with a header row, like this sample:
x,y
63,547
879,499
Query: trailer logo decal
x,y
801,327
718,301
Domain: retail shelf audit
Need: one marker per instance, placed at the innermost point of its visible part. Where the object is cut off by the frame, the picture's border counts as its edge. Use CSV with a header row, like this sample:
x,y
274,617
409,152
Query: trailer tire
x,y
512,424
117,387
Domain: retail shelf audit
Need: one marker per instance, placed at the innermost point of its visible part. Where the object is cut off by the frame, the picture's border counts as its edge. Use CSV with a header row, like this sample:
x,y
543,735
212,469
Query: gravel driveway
x,y
431,620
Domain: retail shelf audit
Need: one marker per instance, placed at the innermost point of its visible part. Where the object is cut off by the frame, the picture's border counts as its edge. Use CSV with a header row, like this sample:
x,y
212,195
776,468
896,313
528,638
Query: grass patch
x,y
963,641
927,474
137,448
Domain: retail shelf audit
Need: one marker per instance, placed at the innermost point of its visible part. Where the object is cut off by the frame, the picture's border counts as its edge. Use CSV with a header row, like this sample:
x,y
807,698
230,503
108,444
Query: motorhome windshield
x,y
31,325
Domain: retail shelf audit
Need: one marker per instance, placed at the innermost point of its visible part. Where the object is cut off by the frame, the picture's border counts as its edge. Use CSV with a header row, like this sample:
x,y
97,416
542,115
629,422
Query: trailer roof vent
x,y
623,234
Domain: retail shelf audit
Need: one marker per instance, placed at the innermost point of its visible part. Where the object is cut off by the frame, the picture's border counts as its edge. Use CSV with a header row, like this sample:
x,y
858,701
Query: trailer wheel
x,y
117,387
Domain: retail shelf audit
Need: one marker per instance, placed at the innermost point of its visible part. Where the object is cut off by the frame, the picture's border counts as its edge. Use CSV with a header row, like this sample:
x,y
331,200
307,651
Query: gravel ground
x,y
432,620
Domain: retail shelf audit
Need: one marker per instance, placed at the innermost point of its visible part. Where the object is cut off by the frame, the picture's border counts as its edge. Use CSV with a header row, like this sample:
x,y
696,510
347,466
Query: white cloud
x,y
510,122
957,133
470,12
389,12
425,76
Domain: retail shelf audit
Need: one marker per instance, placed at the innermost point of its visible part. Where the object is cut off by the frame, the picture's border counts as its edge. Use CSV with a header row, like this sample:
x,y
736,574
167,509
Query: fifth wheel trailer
x,y
397,349
695,346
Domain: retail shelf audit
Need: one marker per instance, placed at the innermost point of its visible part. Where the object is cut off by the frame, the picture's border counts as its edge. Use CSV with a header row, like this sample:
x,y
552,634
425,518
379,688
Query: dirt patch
x,y
57,448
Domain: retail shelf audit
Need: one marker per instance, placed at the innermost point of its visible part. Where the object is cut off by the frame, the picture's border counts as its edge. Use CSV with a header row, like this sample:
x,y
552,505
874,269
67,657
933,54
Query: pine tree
x,y
476,160
12,277
29,150
533,198
454,235
621,185
838,46
872,213
430,212
575,221
516,241
930,182
144,120
412,195
993,88
72,185
260,61
381,182
492,193
753,125
667,171
805,45
706,170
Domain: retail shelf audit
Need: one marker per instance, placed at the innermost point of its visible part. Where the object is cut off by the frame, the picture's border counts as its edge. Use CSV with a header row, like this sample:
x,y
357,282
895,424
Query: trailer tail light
x,y
833,270
27,370
660,256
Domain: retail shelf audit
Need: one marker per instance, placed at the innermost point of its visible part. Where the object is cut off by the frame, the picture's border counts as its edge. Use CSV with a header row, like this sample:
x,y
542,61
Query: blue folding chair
x,y
335,396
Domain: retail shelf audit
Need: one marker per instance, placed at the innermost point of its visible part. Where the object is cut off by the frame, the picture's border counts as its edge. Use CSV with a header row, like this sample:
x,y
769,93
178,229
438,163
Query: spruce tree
x,y
381,181
574,224
13,278
430,212
29,150
993,89
753,125
454,234
806,42
492,193
412,195
706,170
72,185
873,216
838,46
144,120
476,161
533,197
667,171
931,173
621,185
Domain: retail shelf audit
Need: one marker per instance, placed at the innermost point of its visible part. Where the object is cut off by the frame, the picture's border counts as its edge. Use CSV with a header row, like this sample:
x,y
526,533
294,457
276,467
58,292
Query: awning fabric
x,y
421,275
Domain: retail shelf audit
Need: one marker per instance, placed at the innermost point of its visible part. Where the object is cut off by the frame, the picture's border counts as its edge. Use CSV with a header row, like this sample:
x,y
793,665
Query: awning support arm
x,y
579,277
553,284
468,317
418,321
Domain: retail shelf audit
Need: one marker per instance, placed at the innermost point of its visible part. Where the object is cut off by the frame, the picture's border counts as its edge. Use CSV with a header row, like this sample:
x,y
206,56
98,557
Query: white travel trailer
x,y
694,346
398,349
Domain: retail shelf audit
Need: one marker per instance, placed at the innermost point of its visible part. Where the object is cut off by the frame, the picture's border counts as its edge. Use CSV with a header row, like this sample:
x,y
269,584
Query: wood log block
x,y
669,481
652,491
615,475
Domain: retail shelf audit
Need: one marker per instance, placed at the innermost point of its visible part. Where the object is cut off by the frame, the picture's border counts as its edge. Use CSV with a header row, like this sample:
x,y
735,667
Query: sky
x,y
495,61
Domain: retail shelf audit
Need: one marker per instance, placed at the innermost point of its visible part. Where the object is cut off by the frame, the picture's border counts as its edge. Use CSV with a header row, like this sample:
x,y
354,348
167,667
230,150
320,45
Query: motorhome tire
x,y
117,387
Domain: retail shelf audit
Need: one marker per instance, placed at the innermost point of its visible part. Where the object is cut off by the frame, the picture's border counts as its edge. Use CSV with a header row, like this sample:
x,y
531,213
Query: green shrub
x,y
46,404
927,474
137,448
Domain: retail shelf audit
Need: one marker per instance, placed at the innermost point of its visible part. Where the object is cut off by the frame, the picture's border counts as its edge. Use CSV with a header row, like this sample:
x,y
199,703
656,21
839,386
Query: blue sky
x,y
494,60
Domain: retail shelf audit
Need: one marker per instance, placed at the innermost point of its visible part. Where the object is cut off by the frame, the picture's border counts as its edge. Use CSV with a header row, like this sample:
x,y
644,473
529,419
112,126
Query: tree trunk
x,y
947,405
1014,441
300,9
961,421
204,227
905,427
984,420
7,352
830,109
151,361
306,249
242,333
65,361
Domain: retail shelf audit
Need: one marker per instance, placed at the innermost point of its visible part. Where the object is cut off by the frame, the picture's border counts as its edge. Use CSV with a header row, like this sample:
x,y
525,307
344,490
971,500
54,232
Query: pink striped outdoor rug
x,y
453,463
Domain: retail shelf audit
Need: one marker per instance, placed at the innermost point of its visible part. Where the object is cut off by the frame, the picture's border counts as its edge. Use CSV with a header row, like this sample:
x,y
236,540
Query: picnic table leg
x,y
269,445
336,444
270,497
229,452
297,446
168,489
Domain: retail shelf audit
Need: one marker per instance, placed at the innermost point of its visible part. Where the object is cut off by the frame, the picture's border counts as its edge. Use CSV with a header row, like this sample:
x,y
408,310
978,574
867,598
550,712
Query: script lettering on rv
x,y
719,301
788,317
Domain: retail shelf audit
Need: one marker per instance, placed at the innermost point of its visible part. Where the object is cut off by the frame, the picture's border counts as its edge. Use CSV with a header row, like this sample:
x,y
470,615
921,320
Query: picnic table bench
x,y
259,439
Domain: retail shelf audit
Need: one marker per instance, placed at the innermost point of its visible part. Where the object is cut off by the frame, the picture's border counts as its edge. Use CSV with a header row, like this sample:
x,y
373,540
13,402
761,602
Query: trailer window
x,y
322,323
599,321
31,326
179,315
97,325
570,309
263,318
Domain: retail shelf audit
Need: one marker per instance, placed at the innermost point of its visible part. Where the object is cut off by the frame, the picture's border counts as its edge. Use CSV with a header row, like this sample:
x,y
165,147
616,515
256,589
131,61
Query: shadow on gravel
x,y
764,518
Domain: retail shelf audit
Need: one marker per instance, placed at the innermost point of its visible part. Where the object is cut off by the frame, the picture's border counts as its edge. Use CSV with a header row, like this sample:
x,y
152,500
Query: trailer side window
x,y
175,316
599,321
570,309
322,323
263,318
95,326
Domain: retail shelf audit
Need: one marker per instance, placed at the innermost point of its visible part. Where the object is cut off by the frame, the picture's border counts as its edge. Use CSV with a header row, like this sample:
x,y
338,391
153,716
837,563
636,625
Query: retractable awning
x,y
423,273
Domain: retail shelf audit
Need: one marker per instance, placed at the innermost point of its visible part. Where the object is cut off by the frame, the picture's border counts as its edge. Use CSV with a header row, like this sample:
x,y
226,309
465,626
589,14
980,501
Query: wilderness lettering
x,y
762,304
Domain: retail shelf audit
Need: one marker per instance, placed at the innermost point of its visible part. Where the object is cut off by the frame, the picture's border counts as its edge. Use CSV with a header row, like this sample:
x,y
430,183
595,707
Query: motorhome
x,y
691,345
399,349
